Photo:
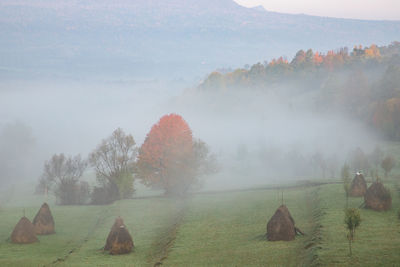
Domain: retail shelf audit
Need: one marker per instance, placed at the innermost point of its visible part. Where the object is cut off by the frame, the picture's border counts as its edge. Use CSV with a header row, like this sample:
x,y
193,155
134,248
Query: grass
x,y
377,241
228,229
81,232
215,229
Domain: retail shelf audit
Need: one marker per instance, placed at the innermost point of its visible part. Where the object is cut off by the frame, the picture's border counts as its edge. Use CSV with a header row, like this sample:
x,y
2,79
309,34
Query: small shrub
x,y
352,220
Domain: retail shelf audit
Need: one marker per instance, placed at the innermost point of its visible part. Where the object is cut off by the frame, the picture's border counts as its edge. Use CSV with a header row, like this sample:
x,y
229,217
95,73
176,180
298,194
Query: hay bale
x,y
24,232
113,233
285,210
358,186
281,226
43,221
119,241
378,197
122,243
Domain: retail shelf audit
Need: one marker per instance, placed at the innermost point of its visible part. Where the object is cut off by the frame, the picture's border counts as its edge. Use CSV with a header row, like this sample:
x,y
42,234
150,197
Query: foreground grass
x,y
219,229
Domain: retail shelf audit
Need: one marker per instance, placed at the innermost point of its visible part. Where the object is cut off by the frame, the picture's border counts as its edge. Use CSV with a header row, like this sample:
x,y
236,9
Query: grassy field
x,y
377,241
214,229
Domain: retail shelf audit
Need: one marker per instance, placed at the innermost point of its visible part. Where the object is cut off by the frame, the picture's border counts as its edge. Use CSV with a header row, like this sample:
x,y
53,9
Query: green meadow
x,y
208,229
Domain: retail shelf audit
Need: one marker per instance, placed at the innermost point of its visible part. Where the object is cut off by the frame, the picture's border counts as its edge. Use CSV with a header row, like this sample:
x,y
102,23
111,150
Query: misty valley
x,y
194,133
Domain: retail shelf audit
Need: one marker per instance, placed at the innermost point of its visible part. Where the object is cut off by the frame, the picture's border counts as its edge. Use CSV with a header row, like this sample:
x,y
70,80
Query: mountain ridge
x,y
165,38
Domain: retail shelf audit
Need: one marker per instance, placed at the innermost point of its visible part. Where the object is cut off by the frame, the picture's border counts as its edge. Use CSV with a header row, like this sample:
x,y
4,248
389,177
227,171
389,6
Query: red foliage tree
x,y
166,158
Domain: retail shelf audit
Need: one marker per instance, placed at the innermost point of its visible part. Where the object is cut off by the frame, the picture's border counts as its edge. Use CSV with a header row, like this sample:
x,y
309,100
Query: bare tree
x,y
61,174
318,160
376,158
17,146
352,220
114,163
205,162
387,164
345,174
359,161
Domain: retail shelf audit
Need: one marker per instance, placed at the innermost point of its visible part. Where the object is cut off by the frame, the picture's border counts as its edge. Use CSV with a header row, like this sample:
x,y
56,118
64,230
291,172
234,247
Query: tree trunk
x,y
350,246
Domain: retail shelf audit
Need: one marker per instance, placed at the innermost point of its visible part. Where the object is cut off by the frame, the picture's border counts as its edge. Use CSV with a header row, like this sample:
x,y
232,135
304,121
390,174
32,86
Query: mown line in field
x,y
313,244
100,220
167,236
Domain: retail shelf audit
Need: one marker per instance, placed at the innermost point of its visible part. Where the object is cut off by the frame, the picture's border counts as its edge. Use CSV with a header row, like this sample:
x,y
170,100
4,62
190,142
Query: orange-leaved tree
x,y
166,159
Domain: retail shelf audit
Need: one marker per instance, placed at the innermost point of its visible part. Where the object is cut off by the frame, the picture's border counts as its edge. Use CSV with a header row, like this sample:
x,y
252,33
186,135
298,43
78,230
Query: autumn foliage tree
x,y
168,159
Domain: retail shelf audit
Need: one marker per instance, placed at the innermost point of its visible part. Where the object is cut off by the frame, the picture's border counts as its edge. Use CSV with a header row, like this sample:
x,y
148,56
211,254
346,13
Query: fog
x,y
258,137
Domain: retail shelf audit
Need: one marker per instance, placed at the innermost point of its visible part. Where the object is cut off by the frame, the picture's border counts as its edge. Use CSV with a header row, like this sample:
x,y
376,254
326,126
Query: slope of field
x,y
209,229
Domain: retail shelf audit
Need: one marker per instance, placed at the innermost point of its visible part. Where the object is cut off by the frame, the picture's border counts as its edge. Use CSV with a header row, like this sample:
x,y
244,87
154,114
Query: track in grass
x,y
100,220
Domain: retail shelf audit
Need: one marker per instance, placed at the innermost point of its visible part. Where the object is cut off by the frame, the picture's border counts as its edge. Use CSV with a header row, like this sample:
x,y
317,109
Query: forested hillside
x,y
363,83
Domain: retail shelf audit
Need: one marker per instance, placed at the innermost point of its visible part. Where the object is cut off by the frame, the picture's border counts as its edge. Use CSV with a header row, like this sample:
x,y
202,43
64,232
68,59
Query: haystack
x,y
43,221
358,186
119,241
378,197
24,232
281,225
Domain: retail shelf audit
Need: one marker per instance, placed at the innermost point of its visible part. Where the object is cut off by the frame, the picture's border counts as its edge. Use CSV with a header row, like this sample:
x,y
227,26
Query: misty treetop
x,y
170,159
363,83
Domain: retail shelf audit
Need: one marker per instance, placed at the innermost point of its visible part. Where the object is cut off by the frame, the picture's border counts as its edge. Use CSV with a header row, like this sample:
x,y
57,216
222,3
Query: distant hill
x,y
363,84
161,39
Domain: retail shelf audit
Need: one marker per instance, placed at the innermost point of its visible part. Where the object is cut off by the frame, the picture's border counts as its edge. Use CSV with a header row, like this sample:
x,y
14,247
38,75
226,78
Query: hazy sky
x,y
357,9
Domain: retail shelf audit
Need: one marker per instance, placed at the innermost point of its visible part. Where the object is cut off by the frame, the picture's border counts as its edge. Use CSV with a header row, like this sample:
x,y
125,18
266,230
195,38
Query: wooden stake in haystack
x,y
43,221
24,232
119,241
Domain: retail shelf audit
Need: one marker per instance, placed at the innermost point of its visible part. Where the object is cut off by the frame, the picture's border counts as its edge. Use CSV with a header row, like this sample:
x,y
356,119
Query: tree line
x,y
364,83
170,159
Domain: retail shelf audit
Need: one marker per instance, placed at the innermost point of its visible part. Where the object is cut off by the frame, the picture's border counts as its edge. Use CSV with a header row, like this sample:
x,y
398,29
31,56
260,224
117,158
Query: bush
x,y
70,193
104,195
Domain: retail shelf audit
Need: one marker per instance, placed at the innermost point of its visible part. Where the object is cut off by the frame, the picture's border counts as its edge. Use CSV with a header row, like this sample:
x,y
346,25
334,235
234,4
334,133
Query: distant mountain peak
x,y
259,8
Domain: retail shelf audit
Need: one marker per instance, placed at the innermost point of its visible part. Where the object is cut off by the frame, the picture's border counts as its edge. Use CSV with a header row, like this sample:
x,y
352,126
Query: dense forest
x,y
363,83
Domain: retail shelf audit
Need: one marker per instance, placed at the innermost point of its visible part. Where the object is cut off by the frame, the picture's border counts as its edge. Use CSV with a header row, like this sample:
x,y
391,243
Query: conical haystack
x,y
358,186
378,197
123,242
281,225
43,221
119,241
24,232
